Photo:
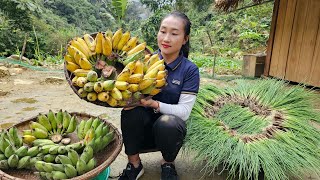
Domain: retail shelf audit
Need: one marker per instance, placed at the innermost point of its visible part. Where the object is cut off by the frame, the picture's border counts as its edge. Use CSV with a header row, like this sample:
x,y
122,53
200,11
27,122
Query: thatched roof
x,y
231,4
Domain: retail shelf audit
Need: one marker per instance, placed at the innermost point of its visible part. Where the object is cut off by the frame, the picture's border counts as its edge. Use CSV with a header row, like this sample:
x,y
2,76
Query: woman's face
x,y
171,36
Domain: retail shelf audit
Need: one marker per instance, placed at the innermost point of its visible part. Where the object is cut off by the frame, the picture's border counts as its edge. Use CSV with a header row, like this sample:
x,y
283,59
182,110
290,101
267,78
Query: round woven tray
x,y
104,157
70,76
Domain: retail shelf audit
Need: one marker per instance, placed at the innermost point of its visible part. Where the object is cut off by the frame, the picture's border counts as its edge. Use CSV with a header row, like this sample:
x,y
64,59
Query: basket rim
x,y
94,172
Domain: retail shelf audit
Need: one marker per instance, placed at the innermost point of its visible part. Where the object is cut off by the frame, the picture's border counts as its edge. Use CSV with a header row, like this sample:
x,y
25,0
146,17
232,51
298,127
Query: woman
x,y
160,122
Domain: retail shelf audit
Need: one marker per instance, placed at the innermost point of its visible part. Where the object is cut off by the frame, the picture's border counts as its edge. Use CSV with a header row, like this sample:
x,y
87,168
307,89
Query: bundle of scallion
x,y
262,126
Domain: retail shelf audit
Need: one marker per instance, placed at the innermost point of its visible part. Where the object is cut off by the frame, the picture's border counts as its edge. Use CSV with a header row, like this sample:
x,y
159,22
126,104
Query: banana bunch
x,y
107,81
12,152
95,133
53,126
67,166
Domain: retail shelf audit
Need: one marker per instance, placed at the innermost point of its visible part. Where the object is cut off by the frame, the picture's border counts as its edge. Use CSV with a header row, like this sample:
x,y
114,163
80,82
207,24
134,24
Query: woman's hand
x,y
149,103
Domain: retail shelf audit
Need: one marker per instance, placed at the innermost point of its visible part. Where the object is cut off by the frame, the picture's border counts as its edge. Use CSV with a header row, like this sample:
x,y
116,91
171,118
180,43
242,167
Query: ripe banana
x,y
126,94
162,74
124,75
154,91
154,58
85,46
72,51
135,78
112,102
130,44
69,58
146,83
82,93
80,47
103,96
152,74
92,96
116,94
133,87
85,64
124,39
99,37
98,87
156,64
122,85
116,38
90,42
106,46
160,83
81,72
138,67
81,81
138,48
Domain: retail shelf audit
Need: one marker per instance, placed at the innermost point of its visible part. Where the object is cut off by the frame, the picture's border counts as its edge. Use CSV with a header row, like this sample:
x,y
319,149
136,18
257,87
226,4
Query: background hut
x,y
293,51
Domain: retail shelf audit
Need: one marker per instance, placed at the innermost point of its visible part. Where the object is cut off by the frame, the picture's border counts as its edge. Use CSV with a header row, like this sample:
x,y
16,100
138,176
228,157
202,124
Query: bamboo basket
x,y
119,67
104,158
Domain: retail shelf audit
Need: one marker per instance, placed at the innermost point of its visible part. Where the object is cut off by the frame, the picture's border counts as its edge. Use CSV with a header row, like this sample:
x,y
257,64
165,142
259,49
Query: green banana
x,y
75,146
89,151
13,161
39,165
48,175
45,149
2,157
59,119
33,151
34,125
80,129
73,156
4,142
24,162
9,151
33,160
22,151
97,144
91,164
27,132
58,167
87,125
62,150
107,139
54,150
58,175
81,167
49,158
96,122
4,164
53,121
44,121
64,159
66,120
13,132
47,167
84,157
98,131
72,125
40,133
105,130
70,170
42,142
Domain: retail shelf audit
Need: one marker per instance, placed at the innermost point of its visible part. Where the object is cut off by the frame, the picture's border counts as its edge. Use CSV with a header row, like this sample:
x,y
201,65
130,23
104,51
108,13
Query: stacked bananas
x,y
142,75
52,125
12,152
67,166
95,133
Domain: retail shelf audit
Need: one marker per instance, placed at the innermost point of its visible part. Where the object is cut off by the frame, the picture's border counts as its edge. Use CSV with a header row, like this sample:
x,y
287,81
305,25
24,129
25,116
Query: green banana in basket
x,y
72,125
41,142
52,119
59,118
96,122
81,167
73,156
58,167
34,125
9,151
80,129
75,146
33,151
33,160
2,157
70,171
13,161
39,165
49,158
54,150
62,150
24,162
66,121
87,125
13,133
45,149
40,134
22,151
91,164
98,131
63,159
47,167
44,121
58,175
88,153
4,164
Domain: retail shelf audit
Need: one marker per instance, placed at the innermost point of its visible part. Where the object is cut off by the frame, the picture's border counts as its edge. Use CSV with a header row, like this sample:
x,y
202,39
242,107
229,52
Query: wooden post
x,y
24,46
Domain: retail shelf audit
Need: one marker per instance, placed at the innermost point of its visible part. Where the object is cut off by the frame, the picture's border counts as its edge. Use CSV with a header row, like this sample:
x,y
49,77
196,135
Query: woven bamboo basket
x,y
104,158
119,67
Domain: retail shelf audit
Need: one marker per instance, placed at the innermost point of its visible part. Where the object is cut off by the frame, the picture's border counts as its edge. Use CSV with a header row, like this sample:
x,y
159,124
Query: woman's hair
x,y
187,26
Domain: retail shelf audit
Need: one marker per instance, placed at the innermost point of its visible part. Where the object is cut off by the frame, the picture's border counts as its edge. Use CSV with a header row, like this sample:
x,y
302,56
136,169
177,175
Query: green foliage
x,y
119,8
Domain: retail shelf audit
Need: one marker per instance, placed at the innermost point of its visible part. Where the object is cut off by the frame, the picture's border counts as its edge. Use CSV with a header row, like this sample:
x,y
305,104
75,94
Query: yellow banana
x,y
98,87
69,58
138,48
116,38
138,67
92,96
71,66
116,94
152,74
122,85
99,37
106,46
124,39
85,64
78,55
109,34
126,94
112,102
131,66
135,78
146,58
160,83
103,96
90,42
154,58
81,72
162,74
155,65
122,103
130,44
28,139
146,82
155,91
133,87
124,75
72,51
80,47
85,46
81,81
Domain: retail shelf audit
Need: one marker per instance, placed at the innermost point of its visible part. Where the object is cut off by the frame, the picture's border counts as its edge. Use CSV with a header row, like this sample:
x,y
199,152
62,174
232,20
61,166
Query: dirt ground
x,y
25,93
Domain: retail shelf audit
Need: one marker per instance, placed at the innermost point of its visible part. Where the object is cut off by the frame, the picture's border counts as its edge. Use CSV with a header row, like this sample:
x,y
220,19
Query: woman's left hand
x,y
149,103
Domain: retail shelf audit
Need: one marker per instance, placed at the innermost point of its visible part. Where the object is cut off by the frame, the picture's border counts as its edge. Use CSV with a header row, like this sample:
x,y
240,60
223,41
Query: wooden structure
x,y
294,44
